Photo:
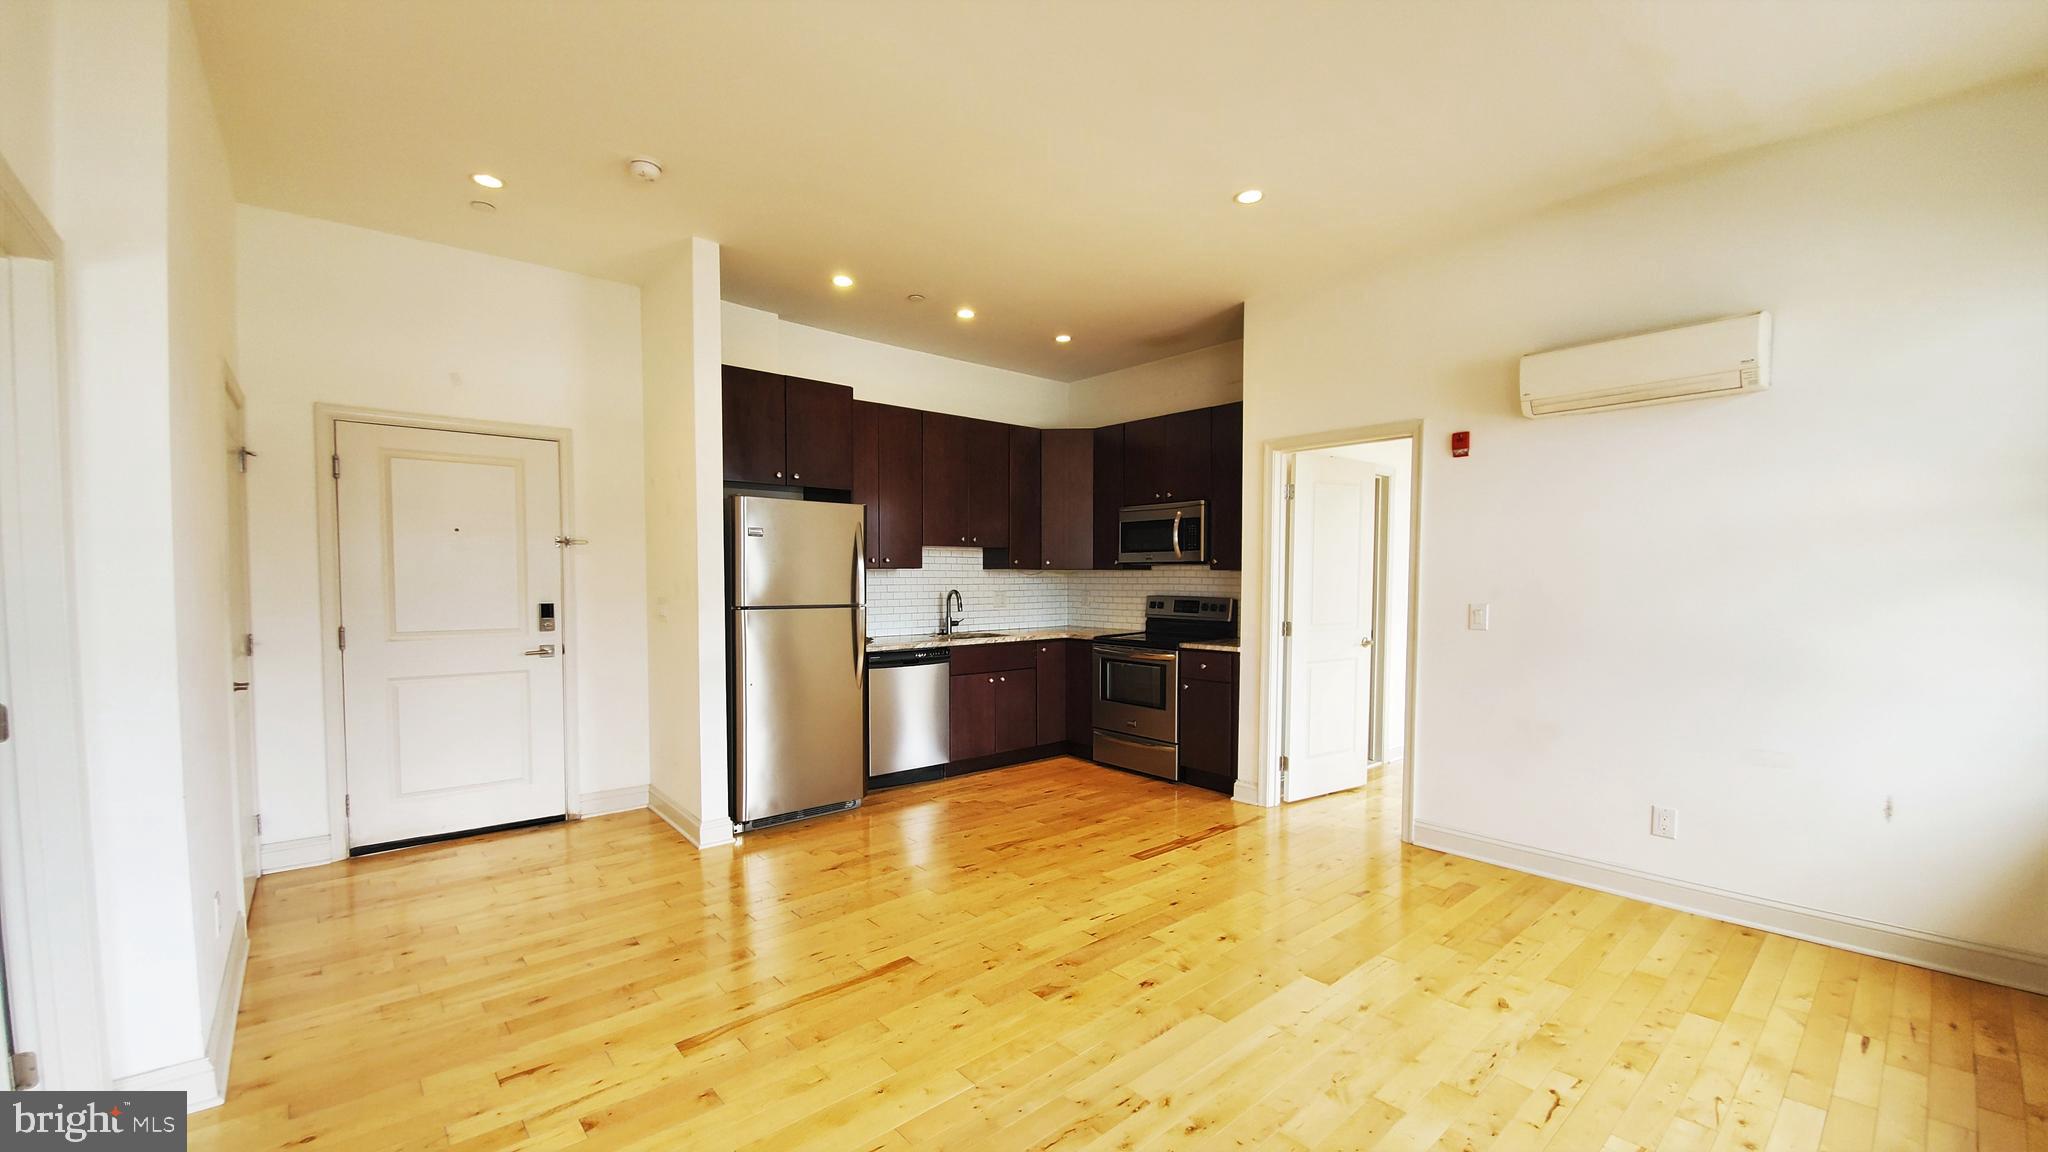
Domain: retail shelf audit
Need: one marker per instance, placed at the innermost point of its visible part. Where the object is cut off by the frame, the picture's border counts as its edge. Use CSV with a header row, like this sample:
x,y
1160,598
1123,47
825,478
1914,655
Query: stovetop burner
x,y
1171,621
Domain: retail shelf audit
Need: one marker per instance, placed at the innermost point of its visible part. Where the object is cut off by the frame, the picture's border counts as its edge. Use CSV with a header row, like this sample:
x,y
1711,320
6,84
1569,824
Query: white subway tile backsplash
x,y
907,601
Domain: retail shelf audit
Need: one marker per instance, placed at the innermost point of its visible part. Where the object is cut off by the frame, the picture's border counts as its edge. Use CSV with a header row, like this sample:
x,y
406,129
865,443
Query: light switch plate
x,y
1478,617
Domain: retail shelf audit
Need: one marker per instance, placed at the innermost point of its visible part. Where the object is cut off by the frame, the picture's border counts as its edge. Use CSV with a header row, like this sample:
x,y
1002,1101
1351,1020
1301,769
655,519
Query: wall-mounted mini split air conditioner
x,y
1719,358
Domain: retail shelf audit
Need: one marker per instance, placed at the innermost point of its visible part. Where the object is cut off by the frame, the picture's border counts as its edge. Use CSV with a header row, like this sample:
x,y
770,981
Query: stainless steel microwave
x,y
1164,533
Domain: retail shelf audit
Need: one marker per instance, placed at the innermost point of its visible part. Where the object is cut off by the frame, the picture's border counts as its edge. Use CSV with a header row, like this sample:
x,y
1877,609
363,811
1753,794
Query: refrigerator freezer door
x,y
796,553
798,676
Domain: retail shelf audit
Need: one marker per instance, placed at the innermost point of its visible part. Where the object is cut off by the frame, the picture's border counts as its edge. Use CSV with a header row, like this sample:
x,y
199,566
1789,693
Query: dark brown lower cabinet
x,y
1081,692
1208,720
971,709
992,713
1051,670
1016,710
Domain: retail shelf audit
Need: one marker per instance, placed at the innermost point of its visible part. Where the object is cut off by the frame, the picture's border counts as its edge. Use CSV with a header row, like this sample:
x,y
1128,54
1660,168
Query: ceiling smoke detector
x,y
645,169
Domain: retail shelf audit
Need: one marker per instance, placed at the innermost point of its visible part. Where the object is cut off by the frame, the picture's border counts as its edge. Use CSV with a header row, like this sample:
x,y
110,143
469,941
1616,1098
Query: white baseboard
x,y
285,855
611,800
1978,961
204,1081
1246,792
697,830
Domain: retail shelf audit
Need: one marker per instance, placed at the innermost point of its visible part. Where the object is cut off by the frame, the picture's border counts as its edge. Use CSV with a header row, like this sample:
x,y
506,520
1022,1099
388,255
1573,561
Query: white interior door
x,y
1333,534
453,687
241,646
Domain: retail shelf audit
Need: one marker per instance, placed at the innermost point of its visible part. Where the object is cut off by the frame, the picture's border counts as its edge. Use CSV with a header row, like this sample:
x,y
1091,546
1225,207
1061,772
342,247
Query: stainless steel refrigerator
x,y
797,657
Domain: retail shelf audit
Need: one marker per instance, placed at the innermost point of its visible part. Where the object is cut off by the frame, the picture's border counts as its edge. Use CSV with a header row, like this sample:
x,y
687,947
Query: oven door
x,y
1164,534
1135,692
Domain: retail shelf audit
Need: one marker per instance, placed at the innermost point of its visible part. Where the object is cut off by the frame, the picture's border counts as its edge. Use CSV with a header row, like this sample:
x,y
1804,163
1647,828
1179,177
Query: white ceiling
x,y
1060,165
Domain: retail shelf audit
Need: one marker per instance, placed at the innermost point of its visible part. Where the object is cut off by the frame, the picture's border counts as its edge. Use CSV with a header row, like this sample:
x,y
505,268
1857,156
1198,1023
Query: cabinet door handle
x,y
799,476
778,473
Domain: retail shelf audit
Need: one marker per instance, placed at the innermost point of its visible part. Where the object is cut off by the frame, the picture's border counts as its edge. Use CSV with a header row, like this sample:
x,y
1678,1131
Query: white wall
x,y
1200,379
887,374
1775,613
680,324
341,315
201,267
108,122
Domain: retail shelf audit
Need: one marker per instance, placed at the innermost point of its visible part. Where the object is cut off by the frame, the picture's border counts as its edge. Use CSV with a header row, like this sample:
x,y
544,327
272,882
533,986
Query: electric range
x,y
1137,681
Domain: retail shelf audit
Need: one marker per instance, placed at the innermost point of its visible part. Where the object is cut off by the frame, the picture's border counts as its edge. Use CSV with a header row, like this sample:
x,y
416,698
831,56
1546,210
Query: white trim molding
x,y
204,1081
699,831
611,800
307,852
1978,961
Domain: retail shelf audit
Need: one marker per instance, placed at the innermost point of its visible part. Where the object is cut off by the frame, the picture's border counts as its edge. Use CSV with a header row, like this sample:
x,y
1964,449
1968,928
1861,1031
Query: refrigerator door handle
x,y
860,648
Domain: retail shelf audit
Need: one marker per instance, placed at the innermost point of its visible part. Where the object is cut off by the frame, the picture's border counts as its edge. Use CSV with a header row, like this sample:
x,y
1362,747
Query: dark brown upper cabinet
x,y
1026,498
888,477
988,484
753,422
786,430
1066,499
1226,489
818,433
1166,458
1109,492
945,480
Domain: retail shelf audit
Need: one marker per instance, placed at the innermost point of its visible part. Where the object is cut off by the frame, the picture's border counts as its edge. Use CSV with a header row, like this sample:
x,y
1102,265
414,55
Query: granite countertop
x,y
937,640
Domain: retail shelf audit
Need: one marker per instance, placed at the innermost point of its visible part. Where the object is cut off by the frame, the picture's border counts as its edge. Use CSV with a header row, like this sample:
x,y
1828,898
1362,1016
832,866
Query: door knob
x,y
1366,642
545,651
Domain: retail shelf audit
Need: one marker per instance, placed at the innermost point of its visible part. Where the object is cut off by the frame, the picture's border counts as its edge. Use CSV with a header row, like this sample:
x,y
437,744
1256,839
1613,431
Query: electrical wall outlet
x,y
1664,822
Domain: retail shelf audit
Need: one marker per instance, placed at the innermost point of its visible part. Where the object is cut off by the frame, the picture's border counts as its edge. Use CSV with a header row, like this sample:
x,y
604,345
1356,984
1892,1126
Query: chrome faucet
x,y
953,604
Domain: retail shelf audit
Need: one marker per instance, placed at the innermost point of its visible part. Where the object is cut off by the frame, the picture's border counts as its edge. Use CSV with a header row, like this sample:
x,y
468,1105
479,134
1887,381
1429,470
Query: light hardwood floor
x,y
1060,955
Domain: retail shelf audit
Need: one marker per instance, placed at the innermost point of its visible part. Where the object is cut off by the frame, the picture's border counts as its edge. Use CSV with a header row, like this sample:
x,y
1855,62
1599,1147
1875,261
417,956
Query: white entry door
x,y
453,687
1332,578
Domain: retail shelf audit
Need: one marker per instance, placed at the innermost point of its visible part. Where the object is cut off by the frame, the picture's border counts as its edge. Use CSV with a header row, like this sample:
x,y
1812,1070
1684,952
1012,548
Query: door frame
x,y
46,872
1277,459
327,511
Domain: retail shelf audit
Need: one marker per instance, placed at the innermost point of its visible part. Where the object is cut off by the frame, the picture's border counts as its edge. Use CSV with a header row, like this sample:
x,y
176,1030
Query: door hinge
x,y
26,1073
1283,765
259,823
1290,490
248,643
6,729
346,804
1287,627
334,462
242,458
341,637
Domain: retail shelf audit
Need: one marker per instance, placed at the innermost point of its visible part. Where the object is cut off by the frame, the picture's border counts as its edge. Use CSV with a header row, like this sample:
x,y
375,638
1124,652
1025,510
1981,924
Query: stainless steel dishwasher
x,y
909,726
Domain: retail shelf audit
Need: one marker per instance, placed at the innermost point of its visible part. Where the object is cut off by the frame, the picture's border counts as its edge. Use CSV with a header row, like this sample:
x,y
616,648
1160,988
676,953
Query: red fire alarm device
x,y
1461,443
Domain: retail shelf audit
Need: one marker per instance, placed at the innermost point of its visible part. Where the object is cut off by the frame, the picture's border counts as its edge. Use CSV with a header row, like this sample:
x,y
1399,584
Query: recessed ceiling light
x,y
485,179
1250,196
1063,338
965,313
483,205
842,281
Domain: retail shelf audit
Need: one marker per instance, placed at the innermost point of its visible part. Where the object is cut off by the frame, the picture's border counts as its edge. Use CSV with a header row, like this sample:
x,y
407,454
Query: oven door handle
x,y
1140,654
